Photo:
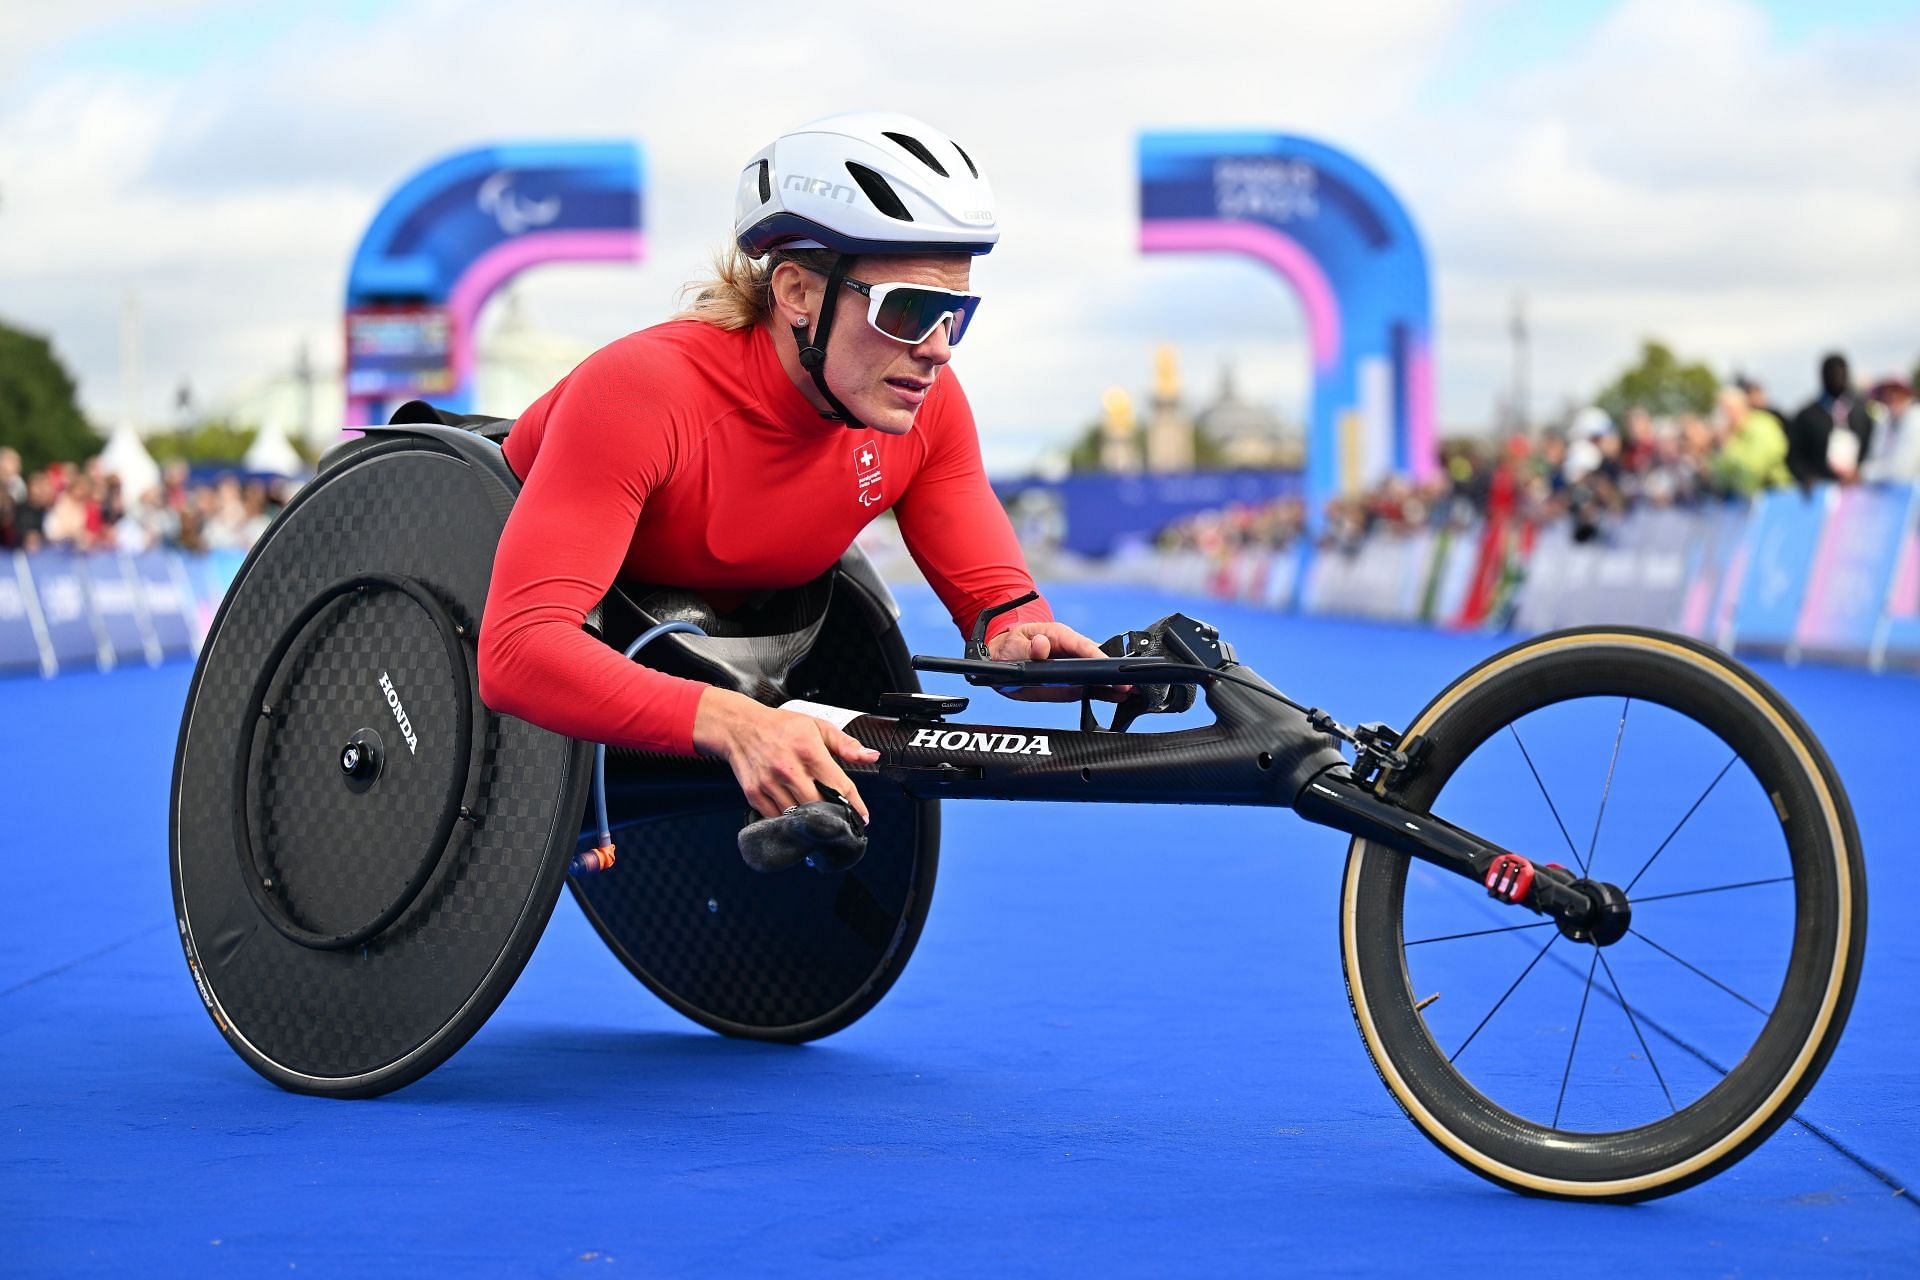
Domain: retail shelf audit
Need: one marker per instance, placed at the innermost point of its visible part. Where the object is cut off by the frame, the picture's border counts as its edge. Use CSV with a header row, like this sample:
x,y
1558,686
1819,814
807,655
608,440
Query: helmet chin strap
x,y
813,350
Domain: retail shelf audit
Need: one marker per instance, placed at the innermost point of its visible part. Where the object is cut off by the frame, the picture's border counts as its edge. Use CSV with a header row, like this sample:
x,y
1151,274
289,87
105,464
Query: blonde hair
x,y
739,292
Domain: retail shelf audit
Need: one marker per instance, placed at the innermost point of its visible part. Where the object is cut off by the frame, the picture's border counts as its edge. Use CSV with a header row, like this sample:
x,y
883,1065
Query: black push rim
x,y
260,884
887,967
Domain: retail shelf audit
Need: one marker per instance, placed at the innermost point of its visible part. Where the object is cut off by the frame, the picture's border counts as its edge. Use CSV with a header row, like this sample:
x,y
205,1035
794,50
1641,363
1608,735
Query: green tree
x,y
210,442
1660,384
38,413
1085,454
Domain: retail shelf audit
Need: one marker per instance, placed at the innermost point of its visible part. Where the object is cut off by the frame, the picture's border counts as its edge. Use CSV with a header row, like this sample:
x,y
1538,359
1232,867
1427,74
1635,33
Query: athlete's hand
x,y
777,756
1035,641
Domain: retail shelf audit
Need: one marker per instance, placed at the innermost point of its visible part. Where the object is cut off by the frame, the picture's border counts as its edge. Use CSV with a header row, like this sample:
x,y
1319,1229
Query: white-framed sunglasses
x,y
910,313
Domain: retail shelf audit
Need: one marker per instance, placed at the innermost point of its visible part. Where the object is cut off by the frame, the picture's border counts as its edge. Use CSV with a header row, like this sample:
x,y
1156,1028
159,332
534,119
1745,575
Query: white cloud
x,y
28,27
1677,173
1682,175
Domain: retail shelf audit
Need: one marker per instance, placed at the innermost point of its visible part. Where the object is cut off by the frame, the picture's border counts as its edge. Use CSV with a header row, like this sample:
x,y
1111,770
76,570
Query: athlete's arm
x,y
606,443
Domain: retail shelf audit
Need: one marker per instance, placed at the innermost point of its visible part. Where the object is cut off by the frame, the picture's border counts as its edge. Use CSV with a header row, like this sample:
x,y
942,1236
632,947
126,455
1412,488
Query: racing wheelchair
x,y
364,856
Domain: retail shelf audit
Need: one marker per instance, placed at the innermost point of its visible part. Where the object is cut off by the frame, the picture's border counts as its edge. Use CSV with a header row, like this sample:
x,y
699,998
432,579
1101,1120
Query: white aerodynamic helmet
x,y
864,182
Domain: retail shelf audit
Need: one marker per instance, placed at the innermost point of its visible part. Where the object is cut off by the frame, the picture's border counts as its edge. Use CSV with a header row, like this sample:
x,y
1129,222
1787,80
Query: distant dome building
x,y
515,364
1244,434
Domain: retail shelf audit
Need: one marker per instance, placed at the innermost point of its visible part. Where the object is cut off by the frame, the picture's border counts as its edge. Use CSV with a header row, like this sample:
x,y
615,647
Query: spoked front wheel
x,y
1621,1072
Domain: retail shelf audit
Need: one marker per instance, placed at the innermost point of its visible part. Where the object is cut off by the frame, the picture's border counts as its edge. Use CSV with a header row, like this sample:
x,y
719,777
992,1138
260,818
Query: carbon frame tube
x,y
1336,799
1257,753
931,759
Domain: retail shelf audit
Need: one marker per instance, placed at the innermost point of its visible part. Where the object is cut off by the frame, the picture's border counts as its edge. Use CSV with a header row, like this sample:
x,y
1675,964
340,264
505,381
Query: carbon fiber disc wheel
x,y
787,957
363,857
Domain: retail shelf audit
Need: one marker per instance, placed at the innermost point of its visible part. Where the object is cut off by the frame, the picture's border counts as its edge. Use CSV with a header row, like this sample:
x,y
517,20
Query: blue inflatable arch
x,y
1333,230
453,234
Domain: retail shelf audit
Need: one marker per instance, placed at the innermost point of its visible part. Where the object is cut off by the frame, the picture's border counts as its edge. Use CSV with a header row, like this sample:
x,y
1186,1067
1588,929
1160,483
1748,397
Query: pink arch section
x,y
1281,252
504,261
1423,450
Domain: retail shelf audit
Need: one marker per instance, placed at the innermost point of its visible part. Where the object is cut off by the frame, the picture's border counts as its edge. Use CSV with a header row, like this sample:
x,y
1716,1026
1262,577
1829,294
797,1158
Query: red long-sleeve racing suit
x,y
683,455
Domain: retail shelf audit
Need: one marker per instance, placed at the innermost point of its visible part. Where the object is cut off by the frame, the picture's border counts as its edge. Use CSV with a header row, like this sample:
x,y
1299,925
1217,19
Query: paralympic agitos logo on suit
x,y
1002,744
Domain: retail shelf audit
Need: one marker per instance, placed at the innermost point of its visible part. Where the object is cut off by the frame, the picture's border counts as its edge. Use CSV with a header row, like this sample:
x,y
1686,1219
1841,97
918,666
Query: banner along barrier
x,y
1781,540
1845,611
23,636
63,611
1898,643
166,593
1714,567
69,623
1635,573
1456,559
1383,577
120,619
1834,575
1285,568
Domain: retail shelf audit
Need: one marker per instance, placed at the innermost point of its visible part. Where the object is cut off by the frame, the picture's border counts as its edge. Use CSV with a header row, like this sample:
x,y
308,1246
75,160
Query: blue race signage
x,y
168,600
1846,601
68,622
23,645
455,232
118,610
1778,558
1334,231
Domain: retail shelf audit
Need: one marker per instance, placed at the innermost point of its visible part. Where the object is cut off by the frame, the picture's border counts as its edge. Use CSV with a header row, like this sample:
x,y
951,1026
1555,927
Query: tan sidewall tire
x,y
1835,822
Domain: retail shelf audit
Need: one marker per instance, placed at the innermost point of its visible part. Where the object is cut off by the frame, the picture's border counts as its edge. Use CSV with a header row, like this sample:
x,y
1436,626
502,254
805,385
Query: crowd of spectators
x,y
84,507
1591,467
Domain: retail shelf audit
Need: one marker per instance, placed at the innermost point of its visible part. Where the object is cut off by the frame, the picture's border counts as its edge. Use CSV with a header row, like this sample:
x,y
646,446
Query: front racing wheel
x,y
1634,1069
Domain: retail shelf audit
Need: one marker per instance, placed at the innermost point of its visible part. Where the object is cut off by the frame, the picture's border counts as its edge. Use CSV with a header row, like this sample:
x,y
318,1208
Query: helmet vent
x,y
766,184
971,167
918,150
883,196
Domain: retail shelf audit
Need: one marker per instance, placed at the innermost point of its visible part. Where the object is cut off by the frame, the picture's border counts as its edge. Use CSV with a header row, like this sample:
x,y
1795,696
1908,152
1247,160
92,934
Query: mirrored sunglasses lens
x,y
904,314
911,314
962,314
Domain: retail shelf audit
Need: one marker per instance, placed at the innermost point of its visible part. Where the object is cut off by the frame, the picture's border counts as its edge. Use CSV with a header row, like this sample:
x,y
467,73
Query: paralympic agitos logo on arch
x,y
1000,744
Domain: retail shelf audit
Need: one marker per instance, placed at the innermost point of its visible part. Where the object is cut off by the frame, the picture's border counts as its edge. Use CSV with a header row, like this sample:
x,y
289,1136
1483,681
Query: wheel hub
x,y
361,759
1608,920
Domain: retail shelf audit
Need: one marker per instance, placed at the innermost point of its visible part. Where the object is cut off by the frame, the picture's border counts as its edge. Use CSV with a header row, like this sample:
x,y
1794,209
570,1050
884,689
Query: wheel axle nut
x,y
360,759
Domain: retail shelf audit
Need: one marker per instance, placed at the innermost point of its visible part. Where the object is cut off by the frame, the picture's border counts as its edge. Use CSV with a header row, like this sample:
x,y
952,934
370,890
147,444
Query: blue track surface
x,y
1122,1048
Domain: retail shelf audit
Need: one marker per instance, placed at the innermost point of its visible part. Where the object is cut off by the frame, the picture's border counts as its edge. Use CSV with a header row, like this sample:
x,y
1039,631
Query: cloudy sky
x,y
1741,177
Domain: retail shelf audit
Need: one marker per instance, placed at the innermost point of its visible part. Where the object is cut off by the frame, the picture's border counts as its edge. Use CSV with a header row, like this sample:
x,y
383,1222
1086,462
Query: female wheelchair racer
x,y
365,849
742,447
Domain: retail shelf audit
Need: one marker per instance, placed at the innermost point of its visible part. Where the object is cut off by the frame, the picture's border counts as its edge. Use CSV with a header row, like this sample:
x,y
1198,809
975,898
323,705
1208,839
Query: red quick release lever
x,y
1510,878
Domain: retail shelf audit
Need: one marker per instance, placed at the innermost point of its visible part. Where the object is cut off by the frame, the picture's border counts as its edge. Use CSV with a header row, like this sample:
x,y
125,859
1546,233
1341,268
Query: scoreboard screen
x,y
399,352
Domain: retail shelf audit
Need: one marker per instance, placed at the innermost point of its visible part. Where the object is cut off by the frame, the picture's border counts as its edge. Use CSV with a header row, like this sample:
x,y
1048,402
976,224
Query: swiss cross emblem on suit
x,y
866,474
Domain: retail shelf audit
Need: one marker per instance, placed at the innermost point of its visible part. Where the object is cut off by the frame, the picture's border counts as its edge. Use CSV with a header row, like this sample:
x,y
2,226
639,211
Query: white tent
x,y
127,458
272,451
